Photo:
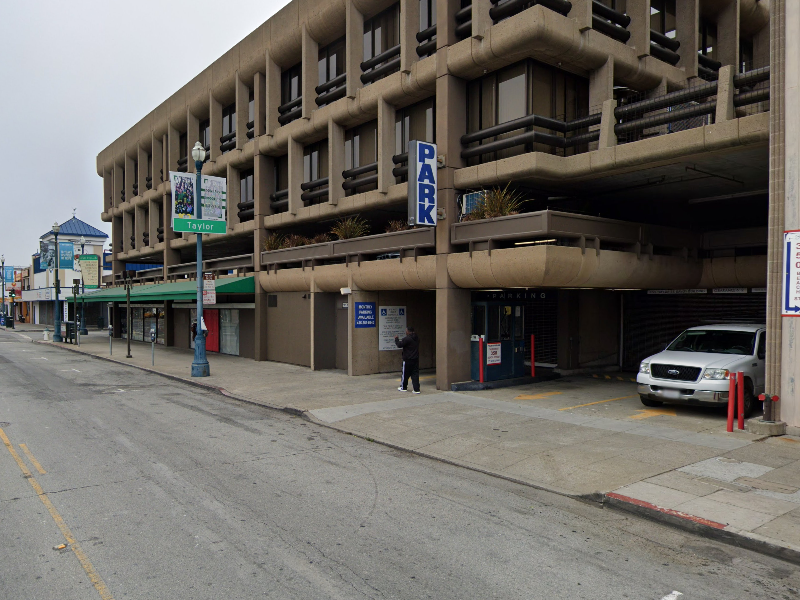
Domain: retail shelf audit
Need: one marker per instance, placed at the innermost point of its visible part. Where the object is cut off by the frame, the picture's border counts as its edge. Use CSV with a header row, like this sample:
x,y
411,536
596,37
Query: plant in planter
x,y
294,240
496,202
397,226
320,238
276,241
351,227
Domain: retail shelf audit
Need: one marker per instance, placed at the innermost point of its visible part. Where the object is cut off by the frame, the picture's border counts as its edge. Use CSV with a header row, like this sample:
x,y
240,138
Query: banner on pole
x,y
184,203
66,256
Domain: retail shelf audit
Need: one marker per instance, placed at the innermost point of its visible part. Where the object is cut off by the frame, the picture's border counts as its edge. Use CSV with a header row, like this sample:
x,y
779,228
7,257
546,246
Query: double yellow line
x,y
94,577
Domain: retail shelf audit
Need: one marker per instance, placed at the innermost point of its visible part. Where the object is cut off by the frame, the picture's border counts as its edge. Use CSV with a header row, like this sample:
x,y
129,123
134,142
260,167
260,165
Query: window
x,y
290,84
315,161
762,345
251,109
361,149
662,17
229,119
229,331
331,61
381,33
205,137
246,193
281,173
708,39
745,55
416,122
512,100
427,14
183,150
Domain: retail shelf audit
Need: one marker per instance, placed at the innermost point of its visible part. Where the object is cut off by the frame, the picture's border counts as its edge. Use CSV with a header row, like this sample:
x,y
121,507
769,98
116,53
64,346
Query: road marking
x,y
598,402
646,413
68,370
673,596
33,460
536,396
94,577
39,358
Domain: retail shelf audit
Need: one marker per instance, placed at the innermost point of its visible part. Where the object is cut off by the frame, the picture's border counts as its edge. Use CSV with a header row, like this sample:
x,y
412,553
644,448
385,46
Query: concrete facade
x,y
643,137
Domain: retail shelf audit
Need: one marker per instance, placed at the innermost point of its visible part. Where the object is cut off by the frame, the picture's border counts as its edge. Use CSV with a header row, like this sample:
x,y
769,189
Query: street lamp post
x,y
84,330
200,366
3,277
57,318
128,284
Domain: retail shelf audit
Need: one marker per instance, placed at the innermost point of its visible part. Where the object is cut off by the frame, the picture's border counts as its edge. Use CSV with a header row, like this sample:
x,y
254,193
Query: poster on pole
x,y
209,289
392,322
184,204
791,274
90,271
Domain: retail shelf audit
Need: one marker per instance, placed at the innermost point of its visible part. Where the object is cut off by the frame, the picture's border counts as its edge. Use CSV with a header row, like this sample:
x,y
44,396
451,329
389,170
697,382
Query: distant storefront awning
x,y
178,290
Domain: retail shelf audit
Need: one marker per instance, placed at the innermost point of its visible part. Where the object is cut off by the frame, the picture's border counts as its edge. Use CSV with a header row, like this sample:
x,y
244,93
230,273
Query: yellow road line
x,y
33,459
598,402
94,577
539,396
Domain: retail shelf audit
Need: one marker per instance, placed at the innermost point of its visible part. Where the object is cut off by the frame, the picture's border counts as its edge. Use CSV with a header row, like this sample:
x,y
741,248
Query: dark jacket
x,y
410,346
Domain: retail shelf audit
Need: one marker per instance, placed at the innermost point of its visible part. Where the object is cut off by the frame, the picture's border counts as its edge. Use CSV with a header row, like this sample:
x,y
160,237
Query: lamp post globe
x,y
57,316
200,366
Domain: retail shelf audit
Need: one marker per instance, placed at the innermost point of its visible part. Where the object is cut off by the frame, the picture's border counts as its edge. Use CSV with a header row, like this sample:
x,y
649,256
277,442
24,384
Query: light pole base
x,y
201,369
84,331
57,337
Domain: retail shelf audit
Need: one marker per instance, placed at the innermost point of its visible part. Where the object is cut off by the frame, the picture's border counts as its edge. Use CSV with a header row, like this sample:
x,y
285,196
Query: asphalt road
x,y
162,490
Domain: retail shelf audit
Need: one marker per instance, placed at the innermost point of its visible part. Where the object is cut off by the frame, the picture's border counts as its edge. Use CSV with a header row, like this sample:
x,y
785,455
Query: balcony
x,y
427,42
360,248
353,177
503,9
241,261
227,142
314,191
664,48
464,22
279,201
381,65
332,90
183,164
247,210
610,22
290,111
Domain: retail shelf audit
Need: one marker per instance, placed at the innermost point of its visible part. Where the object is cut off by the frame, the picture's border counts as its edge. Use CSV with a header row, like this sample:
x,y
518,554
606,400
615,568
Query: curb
x,y
674,518
702,527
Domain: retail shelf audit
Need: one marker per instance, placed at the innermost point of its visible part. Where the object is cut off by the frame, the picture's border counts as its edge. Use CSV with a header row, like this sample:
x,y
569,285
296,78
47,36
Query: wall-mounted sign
x,y
90,271
365,314
422,183
493,354
791,274
184,203
392,323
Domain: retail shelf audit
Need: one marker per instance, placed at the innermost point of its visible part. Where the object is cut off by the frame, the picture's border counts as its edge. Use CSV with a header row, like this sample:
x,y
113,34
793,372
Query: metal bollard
x,y
731,400
740,397
533,366
481,358
110,340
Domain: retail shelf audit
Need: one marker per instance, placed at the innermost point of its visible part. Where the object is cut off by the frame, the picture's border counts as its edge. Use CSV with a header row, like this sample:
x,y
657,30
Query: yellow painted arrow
x,y
536,396
646,413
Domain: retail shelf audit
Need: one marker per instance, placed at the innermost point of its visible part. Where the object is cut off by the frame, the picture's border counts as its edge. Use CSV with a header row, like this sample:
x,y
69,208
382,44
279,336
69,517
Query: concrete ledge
x,y
760,427
474,386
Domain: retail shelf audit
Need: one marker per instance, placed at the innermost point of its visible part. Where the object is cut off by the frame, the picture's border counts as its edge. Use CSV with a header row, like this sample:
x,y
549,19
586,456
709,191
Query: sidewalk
x,y
586,438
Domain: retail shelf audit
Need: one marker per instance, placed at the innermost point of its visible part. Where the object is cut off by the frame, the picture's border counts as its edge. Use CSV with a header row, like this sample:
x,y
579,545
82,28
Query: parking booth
x,y
500,326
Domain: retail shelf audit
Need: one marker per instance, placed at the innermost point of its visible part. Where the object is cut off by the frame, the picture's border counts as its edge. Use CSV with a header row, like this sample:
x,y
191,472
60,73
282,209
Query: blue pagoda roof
x,y
77,227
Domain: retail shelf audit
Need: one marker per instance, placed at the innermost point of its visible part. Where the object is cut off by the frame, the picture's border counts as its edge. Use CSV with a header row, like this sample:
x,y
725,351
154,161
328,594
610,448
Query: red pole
x,y
731,400
480,359
740,398
533,366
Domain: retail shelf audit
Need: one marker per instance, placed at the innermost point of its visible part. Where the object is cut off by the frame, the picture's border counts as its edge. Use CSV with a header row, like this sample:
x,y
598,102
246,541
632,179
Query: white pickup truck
x,y
694,368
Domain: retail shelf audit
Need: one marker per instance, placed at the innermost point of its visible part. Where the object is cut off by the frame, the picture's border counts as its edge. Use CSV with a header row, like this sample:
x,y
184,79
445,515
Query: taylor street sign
x,y
184,203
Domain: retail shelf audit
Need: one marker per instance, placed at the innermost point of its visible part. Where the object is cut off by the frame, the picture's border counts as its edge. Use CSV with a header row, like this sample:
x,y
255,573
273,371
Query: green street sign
x,y
199,226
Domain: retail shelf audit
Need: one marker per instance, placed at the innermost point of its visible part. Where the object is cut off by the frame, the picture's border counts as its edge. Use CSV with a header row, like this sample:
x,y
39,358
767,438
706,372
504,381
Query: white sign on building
x,y
791,274
392,322
493,355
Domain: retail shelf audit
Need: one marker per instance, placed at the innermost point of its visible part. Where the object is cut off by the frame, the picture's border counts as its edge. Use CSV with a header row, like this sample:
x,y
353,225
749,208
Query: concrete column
x,y
639,12
728,35
127,230
608,137
242,108
409,26
601,84
215,112
687,25
335,161
154,208
445,22
117,266
451,124
777,140
295,175
116,193
725,91
259,104
108,190
233,195
173,146
481,21
386,135
157,159
263,183
138,226
354,47
581,12
309,73
129,178
453,329
272,91
141,158
362,343
192,136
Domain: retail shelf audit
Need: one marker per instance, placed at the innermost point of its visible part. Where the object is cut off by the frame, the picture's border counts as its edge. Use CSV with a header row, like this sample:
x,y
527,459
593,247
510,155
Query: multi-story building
x,y
633,134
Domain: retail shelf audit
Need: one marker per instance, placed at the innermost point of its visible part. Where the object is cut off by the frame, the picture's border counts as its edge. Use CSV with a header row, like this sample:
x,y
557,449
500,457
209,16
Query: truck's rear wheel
x,y
648,402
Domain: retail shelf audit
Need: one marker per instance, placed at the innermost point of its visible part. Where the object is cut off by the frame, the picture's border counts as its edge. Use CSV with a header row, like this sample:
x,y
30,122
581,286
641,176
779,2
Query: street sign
x,y
209,289
791,274
90,271
422,165
184,204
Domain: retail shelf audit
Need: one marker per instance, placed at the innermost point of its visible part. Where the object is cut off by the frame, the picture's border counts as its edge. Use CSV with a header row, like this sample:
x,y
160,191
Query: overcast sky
x,y
77,75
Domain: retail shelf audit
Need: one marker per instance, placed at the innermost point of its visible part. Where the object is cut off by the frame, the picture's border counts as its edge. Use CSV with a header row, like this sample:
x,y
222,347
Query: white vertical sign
x,y
392,322
791,274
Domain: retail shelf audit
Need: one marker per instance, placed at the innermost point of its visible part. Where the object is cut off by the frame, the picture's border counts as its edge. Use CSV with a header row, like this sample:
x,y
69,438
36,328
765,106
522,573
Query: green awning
x,y
178,290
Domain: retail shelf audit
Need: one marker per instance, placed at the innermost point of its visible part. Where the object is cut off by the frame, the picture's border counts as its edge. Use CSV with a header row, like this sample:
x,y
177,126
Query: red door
x,y
211,317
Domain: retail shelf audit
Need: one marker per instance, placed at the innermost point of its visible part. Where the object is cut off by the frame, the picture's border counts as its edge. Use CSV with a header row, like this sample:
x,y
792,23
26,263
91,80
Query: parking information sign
x,y
365,315
791,274
392,323
184,203
422,183
493,356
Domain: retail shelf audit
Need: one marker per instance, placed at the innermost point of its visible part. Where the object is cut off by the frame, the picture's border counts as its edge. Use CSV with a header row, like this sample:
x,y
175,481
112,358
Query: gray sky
x,y
75,76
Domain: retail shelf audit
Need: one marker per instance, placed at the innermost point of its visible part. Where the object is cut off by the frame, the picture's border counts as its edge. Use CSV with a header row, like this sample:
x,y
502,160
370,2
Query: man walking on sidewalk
x,y
410,346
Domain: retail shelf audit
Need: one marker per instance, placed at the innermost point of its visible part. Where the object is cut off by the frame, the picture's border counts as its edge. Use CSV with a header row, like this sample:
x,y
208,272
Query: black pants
x,y
411,369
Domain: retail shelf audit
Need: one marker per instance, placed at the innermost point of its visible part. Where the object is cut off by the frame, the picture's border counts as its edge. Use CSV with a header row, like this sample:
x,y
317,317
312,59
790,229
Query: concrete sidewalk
x,y
584,438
